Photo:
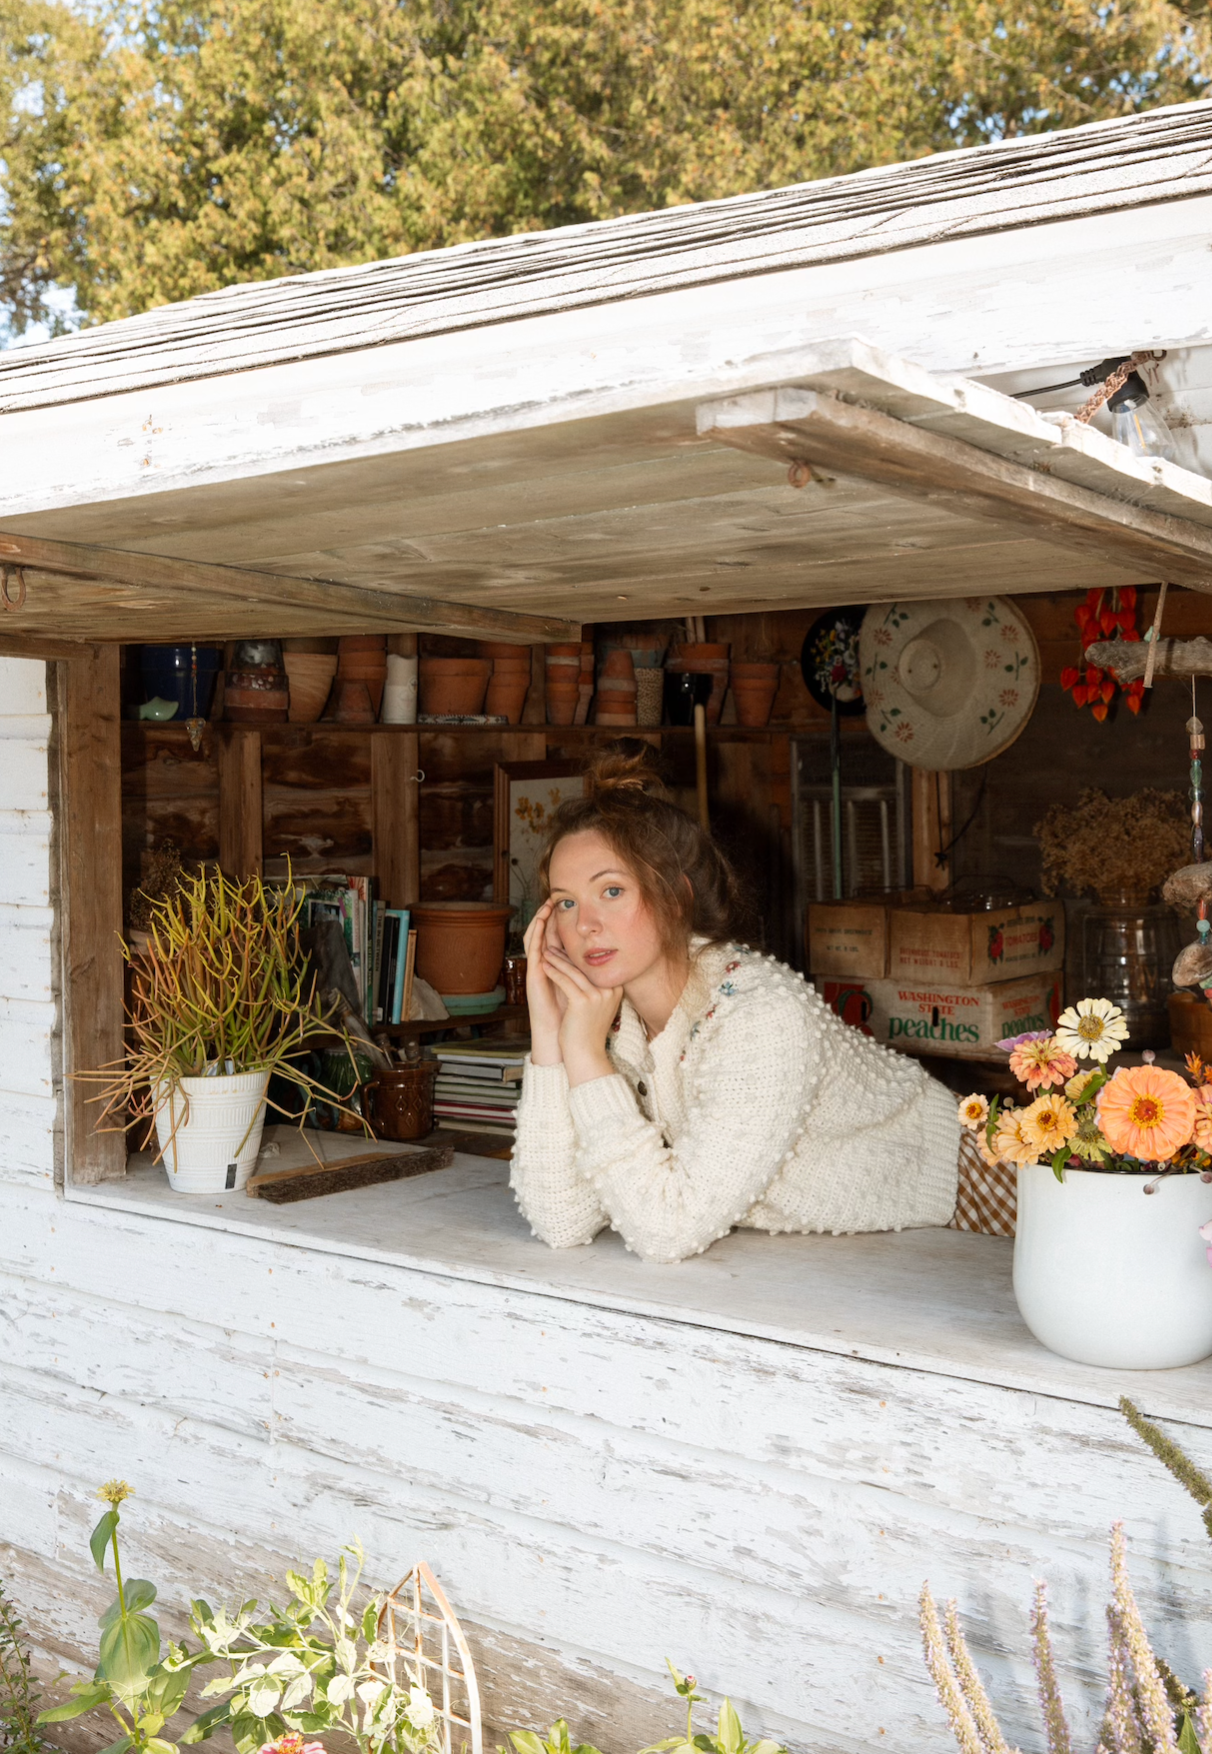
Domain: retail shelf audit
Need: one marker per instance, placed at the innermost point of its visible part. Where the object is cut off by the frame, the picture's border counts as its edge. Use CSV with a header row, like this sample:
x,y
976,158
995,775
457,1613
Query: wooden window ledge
x,y
938,1301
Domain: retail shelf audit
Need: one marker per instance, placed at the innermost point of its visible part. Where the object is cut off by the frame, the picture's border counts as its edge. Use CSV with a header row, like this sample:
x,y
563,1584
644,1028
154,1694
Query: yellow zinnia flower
x,y
974,1113
1049,1123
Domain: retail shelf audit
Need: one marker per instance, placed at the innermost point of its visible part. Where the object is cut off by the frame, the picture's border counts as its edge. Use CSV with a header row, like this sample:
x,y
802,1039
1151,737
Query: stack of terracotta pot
x,y
361,675
754,687
510,681
616,690
453,687
585,686
311,665
563,683
256,690
703,659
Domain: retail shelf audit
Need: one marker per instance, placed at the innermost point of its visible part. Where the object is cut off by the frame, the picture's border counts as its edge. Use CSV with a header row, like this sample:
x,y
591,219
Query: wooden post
x,y
240,809
395,811
90,790
932,814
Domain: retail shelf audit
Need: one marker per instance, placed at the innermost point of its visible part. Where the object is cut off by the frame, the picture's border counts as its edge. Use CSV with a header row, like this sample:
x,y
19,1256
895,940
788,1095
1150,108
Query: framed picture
x,y
526,795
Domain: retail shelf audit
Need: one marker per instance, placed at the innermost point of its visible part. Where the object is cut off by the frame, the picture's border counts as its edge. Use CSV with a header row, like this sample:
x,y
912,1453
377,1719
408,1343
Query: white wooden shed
x,y
750,1462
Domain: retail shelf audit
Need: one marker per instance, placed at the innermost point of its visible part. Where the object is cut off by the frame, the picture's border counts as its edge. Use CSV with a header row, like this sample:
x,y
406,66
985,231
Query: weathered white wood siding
x,y
596,1488
27,1008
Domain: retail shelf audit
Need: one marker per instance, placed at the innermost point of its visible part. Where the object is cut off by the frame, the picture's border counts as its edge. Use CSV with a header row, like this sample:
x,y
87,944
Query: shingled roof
x,y
1164,155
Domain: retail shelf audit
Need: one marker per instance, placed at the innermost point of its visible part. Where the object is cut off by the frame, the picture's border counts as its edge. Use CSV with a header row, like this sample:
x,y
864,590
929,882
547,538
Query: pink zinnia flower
x,y
1041,1061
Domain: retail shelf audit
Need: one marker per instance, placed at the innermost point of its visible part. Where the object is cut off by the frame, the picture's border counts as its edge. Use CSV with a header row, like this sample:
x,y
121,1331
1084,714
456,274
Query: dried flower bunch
x,y
1112,845
1130,1121
160,873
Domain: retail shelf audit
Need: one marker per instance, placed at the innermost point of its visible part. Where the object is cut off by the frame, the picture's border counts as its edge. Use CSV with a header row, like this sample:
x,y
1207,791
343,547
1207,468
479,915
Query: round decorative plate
x,y
829,660
948,683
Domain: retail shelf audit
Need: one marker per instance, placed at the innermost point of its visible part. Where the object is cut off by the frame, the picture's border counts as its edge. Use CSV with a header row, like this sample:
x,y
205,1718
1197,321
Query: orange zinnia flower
x,y
1203,1118
1146,1113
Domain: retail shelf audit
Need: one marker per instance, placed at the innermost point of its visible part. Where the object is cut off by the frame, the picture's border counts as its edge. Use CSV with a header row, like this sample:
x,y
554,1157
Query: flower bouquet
x,y
1135,1119
1100,1275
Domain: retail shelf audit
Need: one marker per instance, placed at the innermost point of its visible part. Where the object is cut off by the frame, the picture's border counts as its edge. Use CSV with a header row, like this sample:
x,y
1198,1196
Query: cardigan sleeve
x,y
557,1202
751,1078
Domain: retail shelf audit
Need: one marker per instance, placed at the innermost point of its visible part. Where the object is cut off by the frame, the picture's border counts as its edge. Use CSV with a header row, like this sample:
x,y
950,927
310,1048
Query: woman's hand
x,y
589,1012
544,999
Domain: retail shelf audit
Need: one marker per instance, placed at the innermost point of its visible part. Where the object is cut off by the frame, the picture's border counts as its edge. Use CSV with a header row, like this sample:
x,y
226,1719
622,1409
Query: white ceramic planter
x,y
218,1124
1107,1274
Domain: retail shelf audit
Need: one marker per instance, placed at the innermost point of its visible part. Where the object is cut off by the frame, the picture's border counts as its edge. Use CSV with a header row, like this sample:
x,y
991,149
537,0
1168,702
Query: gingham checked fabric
x,y
987,1197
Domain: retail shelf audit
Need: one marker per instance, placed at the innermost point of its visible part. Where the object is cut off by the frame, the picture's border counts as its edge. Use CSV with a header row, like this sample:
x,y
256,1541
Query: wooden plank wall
x,y
29,1046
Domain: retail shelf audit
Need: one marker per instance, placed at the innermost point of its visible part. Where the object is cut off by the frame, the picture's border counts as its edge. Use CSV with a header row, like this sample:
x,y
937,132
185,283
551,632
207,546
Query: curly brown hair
x,y
682,874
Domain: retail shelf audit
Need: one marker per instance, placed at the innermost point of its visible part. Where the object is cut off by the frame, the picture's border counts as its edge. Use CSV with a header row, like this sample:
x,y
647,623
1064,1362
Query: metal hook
x,y
418,778
7,599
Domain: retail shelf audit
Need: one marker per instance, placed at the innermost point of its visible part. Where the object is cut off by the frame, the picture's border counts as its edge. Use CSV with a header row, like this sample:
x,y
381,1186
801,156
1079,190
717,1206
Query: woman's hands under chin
x,y
544,999
589,1012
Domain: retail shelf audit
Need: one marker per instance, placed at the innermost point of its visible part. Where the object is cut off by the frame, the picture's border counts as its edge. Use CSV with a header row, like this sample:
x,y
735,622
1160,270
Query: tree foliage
x,y
155,149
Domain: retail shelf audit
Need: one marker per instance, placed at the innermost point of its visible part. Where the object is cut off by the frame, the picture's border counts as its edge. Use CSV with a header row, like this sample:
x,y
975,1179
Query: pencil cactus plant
x,y
221,986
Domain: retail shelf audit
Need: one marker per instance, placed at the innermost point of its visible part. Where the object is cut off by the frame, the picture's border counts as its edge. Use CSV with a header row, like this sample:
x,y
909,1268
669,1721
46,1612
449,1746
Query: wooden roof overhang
x,y
916,488
515,437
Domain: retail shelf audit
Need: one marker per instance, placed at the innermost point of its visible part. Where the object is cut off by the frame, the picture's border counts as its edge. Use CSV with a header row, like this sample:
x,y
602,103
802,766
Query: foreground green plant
x,y
315,1665
20,1694
140,1690
729,1737
223,986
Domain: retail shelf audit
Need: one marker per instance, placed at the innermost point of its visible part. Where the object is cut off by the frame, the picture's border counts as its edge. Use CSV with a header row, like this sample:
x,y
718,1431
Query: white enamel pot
x,y
1107,1274
209,1130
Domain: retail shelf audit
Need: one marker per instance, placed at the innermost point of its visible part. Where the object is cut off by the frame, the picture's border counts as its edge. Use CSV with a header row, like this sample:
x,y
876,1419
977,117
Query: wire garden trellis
x,y
426,1645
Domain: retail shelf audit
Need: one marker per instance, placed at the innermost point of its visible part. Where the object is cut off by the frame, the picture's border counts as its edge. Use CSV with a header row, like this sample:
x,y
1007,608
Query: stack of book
x,y
376,936
478,1085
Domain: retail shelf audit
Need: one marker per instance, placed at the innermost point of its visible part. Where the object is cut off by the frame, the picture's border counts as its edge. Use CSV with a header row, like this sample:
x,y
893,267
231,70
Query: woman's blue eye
x,y
565,903
613,889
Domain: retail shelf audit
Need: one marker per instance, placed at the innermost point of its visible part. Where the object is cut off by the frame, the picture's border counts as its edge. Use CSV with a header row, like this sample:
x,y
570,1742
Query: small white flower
x,y
1093,1029
974,1113
421,1713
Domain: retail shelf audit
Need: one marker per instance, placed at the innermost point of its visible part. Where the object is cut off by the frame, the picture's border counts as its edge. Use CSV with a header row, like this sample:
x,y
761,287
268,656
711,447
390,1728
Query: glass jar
x,y
1128,950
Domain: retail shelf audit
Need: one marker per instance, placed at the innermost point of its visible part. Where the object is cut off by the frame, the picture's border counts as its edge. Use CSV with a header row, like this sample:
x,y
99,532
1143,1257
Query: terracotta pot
x,y
398,1101
454,685
507,695
460,944
754,672
495,649
362,642
352,704
565,651
562,703
511,667
256,706
647,649
754,701
314,646
311,675
618,664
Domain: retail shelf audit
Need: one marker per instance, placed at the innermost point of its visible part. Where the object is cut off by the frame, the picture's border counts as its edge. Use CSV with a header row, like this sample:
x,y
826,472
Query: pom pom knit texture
x,y
755,1106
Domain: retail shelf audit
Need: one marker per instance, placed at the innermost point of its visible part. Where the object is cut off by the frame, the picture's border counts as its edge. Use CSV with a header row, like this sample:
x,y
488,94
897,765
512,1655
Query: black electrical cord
x,y
1093,374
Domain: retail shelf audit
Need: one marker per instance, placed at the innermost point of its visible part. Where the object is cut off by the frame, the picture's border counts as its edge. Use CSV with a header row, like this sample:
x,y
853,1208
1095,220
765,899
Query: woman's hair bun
x,y
626,768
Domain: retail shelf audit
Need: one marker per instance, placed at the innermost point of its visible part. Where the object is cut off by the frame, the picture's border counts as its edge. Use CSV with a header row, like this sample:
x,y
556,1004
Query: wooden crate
x,y
963,1022
972,949
848,939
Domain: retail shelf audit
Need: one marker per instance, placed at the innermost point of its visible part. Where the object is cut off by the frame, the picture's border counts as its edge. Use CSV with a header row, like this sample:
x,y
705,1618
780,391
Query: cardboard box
x,y
964,1022
972,949
848,938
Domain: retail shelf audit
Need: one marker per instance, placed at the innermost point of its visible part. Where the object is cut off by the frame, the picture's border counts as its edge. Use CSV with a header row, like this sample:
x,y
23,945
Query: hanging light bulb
x,y
1136,423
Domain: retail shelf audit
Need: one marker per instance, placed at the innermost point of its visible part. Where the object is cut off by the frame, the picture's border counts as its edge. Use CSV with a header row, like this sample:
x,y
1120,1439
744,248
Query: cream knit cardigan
x,y
754,1106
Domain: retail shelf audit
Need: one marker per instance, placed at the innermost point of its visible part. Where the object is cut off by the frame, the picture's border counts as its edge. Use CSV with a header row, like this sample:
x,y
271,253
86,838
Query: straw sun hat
x,y
948,684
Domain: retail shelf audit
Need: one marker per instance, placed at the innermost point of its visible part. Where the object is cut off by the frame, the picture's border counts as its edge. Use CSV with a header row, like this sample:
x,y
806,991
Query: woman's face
x,y
600,918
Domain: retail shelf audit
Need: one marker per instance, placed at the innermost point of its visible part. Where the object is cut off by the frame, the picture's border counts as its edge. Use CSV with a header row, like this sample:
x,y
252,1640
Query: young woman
x,y
680,1084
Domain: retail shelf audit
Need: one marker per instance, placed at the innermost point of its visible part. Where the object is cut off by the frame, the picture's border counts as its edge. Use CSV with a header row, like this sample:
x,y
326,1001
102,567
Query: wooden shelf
x,y
412,1031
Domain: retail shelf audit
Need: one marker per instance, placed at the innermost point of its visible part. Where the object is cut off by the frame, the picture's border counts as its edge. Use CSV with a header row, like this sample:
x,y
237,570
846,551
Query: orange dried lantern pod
x,y
1104,614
